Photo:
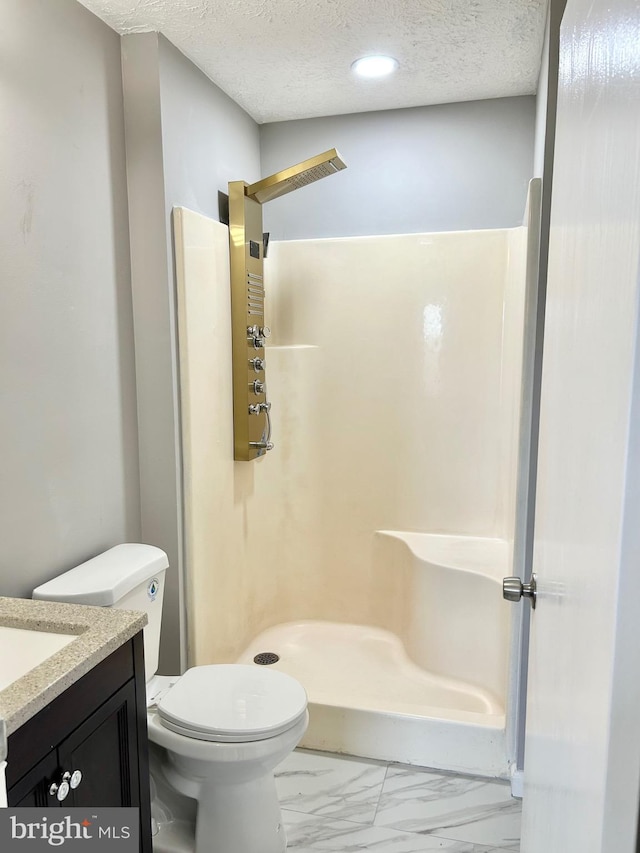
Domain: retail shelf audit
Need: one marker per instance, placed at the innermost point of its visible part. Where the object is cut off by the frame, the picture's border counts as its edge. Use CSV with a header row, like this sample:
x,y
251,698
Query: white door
x,y
582,760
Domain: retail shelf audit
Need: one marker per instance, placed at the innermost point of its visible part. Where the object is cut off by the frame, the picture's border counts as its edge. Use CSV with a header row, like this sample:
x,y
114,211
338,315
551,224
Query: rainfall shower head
x,y
295,177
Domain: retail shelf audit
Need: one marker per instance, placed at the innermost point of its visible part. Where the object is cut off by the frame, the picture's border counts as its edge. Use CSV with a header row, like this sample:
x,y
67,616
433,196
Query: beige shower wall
x,y
392,372
412,393
512,356
236,514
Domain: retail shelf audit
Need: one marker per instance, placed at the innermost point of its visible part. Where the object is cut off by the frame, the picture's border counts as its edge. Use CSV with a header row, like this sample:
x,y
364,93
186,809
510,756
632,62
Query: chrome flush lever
x,y
513,590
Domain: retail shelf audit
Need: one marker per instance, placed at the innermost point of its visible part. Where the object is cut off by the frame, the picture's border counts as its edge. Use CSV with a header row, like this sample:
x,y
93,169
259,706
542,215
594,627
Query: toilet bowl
x,y
222,730
217,732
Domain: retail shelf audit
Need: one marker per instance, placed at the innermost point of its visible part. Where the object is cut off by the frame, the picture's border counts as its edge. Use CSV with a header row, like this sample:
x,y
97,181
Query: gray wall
x,y
185,140
69,470
541,104
441,168
207,139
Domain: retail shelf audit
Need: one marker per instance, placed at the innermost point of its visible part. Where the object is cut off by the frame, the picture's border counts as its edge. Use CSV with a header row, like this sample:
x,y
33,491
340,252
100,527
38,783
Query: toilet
x,y
217,732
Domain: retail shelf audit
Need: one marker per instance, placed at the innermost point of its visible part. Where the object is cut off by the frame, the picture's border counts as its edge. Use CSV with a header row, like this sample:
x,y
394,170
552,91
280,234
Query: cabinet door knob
x,y
60,792
76,778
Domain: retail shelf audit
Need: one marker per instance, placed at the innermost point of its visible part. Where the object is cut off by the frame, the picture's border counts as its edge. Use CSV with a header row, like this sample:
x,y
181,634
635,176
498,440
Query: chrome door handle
x,y
513,590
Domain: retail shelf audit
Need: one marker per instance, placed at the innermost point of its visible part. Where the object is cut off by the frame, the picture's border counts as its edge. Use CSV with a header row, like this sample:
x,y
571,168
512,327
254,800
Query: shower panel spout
x,y
251,409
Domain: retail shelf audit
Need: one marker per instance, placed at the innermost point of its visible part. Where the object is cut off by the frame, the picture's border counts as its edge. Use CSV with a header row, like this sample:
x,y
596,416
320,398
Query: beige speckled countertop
x,y
100,630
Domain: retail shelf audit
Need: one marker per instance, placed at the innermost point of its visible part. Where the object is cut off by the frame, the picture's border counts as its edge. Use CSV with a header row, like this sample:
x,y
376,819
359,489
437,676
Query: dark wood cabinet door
x,y
33,789
97,726
103,749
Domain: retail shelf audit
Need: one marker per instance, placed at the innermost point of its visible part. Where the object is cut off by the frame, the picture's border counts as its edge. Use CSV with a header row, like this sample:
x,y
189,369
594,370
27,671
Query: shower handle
x,y
513,590
256,408
265,443
258,332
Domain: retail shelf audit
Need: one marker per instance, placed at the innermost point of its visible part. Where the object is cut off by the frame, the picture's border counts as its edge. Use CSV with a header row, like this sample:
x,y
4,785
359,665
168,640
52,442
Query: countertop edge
x,y
100,631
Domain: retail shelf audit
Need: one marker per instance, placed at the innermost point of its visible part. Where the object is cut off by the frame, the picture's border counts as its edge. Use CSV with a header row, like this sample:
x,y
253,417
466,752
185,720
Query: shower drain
x,y
265,658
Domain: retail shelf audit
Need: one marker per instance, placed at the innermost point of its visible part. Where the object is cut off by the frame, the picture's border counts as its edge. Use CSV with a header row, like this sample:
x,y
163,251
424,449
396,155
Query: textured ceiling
x,y
290,59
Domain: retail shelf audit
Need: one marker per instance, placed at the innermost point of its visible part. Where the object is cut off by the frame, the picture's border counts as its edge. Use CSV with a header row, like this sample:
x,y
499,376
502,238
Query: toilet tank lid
x,y
105,579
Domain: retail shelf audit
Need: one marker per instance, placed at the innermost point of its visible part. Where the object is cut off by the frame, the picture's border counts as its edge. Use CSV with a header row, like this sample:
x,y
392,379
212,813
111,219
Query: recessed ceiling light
x,y
374,66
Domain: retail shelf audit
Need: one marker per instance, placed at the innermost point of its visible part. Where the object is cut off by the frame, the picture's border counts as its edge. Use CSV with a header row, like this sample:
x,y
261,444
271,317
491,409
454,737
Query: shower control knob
x,y
258,332
258,343
258,387
257,363
513,590
254,408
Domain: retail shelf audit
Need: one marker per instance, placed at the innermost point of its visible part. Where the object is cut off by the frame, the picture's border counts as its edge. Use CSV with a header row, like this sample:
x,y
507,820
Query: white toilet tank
x,y
129,577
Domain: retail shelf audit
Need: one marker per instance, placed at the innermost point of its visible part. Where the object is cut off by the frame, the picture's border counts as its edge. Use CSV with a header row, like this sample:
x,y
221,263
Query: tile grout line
x,y
439,833
480,848
328,817
375,813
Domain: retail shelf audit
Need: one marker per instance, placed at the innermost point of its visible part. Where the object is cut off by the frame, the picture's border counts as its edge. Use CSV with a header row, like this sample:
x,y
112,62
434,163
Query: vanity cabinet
x,y
97,730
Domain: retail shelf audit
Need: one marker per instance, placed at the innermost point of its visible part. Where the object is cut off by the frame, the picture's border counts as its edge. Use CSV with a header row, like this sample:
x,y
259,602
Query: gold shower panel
x,y
250,406
251,418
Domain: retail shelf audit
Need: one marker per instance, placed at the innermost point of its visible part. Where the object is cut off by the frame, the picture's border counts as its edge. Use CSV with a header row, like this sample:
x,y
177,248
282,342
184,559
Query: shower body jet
x,y
251,409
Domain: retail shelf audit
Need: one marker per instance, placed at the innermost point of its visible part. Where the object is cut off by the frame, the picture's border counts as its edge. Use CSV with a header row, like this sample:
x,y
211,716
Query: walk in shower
x,y
366,550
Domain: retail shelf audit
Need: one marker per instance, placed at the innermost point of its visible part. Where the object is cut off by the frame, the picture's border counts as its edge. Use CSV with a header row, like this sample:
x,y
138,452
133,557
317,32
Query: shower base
x,y
367,698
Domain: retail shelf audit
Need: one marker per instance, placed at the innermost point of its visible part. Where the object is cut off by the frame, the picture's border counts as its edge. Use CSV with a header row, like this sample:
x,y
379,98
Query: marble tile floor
x,y
338,804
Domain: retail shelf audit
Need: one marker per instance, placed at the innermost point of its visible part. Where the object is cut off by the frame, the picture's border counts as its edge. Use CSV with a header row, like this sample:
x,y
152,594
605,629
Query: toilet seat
x,y
232,703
